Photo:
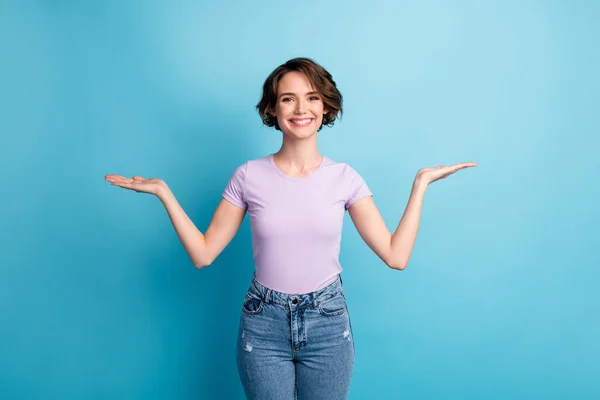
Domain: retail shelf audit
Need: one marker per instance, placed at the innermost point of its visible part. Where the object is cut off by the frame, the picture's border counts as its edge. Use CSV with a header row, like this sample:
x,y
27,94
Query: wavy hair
x,y
320,80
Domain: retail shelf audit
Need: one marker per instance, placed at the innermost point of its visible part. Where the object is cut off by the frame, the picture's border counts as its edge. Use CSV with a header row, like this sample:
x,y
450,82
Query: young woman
x,y
295,336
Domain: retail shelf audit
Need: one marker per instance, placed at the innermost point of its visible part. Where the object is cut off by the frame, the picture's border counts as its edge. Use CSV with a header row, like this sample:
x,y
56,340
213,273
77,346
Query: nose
x,y
300,107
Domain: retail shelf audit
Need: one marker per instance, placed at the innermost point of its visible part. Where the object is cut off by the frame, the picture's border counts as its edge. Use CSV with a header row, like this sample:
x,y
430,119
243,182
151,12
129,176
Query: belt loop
x,y
341,281
268,295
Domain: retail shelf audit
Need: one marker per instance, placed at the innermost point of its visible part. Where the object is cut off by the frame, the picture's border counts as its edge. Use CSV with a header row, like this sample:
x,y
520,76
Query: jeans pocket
x,y
333,307
252,305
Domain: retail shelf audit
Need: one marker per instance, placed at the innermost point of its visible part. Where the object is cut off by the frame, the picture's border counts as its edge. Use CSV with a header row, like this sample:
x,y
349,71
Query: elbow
x,y
400,266
202,263
204,258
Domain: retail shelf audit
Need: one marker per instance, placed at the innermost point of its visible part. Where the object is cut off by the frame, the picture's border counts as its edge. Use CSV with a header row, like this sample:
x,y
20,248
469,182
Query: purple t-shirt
x,y
296,222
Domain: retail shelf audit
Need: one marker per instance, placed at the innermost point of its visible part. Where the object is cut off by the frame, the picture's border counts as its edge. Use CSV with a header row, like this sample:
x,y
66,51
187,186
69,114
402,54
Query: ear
x,y
325,111
272,113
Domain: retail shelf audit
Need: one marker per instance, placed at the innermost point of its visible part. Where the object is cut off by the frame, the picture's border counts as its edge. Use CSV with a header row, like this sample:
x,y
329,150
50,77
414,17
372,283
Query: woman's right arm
x,y
203,249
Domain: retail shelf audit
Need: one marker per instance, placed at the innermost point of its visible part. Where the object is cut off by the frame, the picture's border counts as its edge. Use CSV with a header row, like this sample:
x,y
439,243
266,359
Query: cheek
x,y
282,110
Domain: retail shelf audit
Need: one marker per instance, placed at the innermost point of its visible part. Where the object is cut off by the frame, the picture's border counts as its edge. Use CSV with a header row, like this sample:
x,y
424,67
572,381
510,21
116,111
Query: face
x,y
299,109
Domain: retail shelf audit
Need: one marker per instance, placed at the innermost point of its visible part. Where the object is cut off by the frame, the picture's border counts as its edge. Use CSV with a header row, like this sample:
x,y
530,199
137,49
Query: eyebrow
x,y
293,94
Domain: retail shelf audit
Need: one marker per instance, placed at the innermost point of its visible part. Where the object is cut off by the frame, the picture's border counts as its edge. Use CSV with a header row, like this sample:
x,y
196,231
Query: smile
x,y
301,122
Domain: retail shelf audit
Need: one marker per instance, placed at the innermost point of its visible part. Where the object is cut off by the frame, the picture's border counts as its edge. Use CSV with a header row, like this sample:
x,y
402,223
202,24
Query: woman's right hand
x,y
153,185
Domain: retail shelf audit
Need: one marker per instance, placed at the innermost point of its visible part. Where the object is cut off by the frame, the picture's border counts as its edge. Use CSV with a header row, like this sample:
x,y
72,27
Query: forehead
x,y
294,82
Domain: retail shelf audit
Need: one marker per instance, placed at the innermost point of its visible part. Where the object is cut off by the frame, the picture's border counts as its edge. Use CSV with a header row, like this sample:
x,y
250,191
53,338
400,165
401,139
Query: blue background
x,y
98,298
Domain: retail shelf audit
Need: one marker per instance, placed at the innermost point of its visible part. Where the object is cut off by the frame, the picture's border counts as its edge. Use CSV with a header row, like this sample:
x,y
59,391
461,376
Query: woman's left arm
x,y
395,250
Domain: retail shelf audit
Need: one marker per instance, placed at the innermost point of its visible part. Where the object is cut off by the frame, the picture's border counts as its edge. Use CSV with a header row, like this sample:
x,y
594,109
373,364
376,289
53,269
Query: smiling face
x,y
299,108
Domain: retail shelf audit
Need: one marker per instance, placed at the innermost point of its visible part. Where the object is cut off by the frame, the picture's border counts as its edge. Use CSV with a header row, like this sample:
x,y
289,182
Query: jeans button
x,y
295,301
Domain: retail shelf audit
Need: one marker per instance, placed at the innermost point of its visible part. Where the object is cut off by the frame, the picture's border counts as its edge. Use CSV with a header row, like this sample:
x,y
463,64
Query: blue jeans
x,y
295,344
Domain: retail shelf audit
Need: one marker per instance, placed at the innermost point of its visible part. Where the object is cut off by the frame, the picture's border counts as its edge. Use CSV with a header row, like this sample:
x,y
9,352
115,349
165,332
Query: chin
x,y
301,135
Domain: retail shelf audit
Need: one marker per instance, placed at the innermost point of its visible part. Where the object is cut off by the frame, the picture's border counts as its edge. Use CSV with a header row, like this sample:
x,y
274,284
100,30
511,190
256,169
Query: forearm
x,y
403,239
191,238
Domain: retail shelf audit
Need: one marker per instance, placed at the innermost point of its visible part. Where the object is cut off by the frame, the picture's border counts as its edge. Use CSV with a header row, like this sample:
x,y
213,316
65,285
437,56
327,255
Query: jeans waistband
x,y
269,295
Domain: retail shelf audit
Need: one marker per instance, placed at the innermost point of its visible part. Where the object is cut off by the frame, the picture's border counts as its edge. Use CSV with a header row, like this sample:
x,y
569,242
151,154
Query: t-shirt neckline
x,y
302,178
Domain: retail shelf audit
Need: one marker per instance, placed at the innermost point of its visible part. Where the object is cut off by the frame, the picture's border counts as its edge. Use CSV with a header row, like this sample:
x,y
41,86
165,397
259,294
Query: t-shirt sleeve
x,y
357,188
234,191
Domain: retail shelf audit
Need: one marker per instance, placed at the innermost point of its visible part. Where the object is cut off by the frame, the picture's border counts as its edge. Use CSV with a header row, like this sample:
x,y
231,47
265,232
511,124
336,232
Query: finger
x,y
125,185
113,180
138,178
456,167
120,182
114,177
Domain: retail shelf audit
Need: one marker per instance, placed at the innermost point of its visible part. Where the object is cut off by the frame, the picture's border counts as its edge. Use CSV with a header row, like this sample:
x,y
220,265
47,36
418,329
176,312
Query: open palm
x,y
429,175
139,184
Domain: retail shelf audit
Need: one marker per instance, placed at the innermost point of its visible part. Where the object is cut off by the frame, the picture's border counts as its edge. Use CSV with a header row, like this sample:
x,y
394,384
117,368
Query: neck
x,y
299,154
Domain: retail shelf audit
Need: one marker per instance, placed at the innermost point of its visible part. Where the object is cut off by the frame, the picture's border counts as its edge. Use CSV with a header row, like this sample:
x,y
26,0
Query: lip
x,y
293,121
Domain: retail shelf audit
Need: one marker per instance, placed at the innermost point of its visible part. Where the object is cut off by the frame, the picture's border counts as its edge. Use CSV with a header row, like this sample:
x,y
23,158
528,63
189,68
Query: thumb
x,y
138,178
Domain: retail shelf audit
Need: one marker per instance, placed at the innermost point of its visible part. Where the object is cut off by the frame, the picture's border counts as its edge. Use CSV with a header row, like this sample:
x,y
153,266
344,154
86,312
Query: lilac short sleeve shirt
x,y
296,223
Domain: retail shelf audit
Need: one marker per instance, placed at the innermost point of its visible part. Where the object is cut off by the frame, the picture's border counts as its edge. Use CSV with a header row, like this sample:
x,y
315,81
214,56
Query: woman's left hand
x,y
429,175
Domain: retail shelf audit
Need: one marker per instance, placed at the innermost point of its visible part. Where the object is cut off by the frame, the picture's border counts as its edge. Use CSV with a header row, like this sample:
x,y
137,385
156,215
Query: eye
x,y
286,99
313,98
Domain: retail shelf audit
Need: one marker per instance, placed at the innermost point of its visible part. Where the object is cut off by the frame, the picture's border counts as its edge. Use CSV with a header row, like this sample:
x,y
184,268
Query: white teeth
x,y
301,121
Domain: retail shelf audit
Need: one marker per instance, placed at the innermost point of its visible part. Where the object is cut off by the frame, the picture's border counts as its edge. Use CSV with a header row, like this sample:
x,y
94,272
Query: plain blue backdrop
x,y
98,298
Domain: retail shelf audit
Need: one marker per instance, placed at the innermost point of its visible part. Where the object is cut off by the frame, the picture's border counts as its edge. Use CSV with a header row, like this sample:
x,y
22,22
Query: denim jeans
x,y
295,345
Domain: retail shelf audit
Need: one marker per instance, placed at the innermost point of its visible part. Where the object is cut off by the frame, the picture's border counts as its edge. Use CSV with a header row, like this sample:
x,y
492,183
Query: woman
x,y
295,336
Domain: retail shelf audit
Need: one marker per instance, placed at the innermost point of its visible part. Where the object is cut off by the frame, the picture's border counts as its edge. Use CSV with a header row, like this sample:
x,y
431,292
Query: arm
x,y
203,249
394,249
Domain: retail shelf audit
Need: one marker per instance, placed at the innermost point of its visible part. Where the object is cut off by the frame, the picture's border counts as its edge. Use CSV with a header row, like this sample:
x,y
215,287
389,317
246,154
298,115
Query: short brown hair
x,y
319,78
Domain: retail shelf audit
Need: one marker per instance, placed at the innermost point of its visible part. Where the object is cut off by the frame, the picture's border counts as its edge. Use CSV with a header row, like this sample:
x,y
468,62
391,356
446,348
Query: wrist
x,y
163,192
420,184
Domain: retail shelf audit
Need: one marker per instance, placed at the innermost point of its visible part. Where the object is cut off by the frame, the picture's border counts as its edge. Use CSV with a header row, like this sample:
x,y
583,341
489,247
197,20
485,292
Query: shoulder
x,y
340,168
257,168
252,163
